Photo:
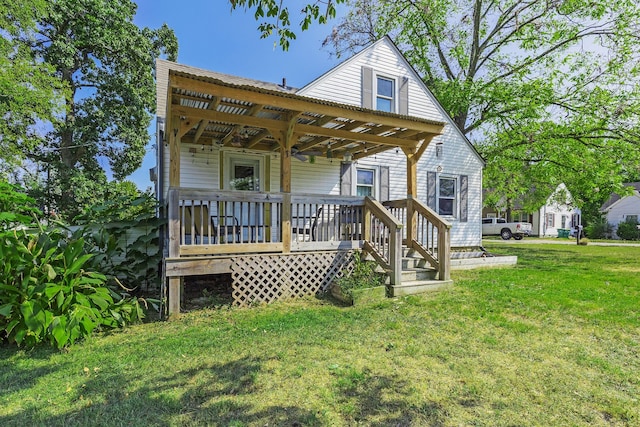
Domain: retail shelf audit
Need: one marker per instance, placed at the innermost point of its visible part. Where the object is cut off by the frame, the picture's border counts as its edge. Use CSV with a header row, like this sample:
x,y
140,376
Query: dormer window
x,y
385,94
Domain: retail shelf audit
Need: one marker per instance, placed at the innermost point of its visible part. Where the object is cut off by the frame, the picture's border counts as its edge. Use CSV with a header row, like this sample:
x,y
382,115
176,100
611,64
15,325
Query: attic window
x,y
385,94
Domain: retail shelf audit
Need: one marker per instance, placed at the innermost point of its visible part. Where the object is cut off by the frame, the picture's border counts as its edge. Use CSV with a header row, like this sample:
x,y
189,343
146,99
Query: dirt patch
x,y
207,291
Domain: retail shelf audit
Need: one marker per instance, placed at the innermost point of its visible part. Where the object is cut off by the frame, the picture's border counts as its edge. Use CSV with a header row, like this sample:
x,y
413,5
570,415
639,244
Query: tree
x,y
106,62
544,88
276,17
28,91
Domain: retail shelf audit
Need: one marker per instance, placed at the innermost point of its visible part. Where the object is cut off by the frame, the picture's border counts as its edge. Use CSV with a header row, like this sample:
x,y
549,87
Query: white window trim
x,y
456,197
233,157
394,100
376,179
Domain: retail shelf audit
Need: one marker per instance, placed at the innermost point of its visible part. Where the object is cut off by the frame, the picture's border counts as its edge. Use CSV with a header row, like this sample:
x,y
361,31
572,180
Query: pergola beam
x,y
275,126
292,102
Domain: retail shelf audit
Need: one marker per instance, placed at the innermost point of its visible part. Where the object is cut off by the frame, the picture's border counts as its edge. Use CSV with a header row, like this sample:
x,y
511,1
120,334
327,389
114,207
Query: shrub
x,y
47,295
123,233
363,276
50,288
599,230
628,230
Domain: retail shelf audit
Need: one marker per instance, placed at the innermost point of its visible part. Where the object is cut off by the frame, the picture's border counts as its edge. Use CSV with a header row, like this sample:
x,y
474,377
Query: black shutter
x,y
367,87
431,190
464,198
403,96
345,178
384,183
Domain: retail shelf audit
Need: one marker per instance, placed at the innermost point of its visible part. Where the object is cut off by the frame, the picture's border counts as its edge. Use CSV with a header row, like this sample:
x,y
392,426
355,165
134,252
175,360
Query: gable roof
x,y
387,40
615,198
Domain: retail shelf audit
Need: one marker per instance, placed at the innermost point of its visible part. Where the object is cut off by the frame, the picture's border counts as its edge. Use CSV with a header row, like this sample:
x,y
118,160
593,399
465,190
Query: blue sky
x,y
211,37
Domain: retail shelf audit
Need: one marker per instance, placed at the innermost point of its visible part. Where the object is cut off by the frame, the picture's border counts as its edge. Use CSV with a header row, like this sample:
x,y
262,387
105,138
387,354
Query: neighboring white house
x,y
449,173
556,213
620,209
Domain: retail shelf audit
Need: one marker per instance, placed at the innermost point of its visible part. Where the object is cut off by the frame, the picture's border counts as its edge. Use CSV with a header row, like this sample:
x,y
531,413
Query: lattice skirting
x,y
267,278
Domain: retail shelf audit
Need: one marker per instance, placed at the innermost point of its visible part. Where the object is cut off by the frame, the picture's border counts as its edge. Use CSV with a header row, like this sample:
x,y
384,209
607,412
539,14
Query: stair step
x,y
410,274
414,262
420,286
416,274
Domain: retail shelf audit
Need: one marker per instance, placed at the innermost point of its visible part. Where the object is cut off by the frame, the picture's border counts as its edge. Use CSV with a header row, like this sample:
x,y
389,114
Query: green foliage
x,y
16,208
48,294
599,229
363,276
28,91
628,230
58,287
123,232
540,87
276,18
94,50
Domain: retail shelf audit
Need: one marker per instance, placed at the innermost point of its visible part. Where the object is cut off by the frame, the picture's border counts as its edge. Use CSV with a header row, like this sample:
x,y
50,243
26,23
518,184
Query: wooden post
x,y
174,153
285,187
366,227
412,193
444,257
174,212
395,255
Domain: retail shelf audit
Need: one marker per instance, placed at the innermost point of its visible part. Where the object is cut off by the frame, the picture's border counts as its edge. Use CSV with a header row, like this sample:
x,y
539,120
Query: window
x,y
487,220
631,218
385,94
520,216
564,221
550,220
365,181
447,196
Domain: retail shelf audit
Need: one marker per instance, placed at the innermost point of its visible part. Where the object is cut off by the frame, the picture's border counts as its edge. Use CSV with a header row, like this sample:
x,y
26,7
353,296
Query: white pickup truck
x,y
506,230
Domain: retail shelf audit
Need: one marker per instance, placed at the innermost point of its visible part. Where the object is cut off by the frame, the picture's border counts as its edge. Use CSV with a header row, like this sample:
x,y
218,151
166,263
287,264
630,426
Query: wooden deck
x,y
305,240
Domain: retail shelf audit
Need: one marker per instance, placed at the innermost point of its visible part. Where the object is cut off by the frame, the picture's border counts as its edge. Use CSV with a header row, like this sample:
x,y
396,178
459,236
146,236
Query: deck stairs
x,y
417,277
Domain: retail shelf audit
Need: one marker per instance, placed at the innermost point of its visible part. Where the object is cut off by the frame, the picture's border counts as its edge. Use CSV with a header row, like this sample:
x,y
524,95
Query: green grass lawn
x,y
554,341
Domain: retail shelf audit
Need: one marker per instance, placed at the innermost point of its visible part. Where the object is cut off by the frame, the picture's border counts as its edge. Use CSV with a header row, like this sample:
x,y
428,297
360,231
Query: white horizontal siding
x,y
197,170
629,205
343,83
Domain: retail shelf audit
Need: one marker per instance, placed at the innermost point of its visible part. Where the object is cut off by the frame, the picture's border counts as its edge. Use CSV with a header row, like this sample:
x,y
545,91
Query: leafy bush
x,y
363,276
16,208
50,288
123,233
599,230
46,295
628,230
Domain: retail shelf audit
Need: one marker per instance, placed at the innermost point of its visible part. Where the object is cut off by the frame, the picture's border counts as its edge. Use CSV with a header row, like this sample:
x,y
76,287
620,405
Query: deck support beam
x,y
174,213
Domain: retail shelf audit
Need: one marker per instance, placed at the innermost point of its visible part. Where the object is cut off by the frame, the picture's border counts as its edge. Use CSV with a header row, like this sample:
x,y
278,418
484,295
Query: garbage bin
x,y
563,232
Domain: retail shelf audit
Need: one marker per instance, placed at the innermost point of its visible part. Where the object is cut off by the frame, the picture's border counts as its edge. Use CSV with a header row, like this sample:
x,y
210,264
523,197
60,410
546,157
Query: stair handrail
x,y
375,243
443,257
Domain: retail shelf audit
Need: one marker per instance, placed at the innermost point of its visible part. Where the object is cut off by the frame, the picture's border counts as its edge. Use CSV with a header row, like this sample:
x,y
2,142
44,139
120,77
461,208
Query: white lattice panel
x,y
267,278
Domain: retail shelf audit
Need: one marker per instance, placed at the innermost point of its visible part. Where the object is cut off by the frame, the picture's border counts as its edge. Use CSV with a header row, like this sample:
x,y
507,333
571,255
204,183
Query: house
x,y
623,208
557,213
280,186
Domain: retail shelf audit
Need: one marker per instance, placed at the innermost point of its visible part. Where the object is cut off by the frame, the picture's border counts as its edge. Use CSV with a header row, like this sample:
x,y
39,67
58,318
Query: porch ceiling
x,y
225,113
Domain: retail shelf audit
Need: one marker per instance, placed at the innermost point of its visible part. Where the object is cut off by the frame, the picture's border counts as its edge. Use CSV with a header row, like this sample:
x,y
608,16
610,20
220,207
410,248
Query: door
x,y
244,173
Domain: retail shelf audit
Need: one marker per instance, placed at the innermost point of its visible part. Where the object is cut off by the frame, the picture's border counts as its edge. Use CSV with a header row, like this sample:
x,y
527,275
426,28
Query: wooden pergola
x,y
207,110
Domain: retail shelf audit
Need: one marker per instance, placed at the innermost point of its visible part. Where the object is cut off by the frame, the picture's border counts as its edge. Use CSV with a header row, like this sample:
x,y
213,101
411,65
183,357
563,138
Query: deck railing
x,y
426,233
239,222
227,222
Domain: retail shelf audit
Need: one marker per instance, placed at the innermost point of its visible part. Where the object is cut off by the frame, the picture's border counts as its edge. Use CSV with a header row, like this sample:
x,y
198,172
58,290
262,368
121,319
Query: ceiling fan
x,y
302,155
